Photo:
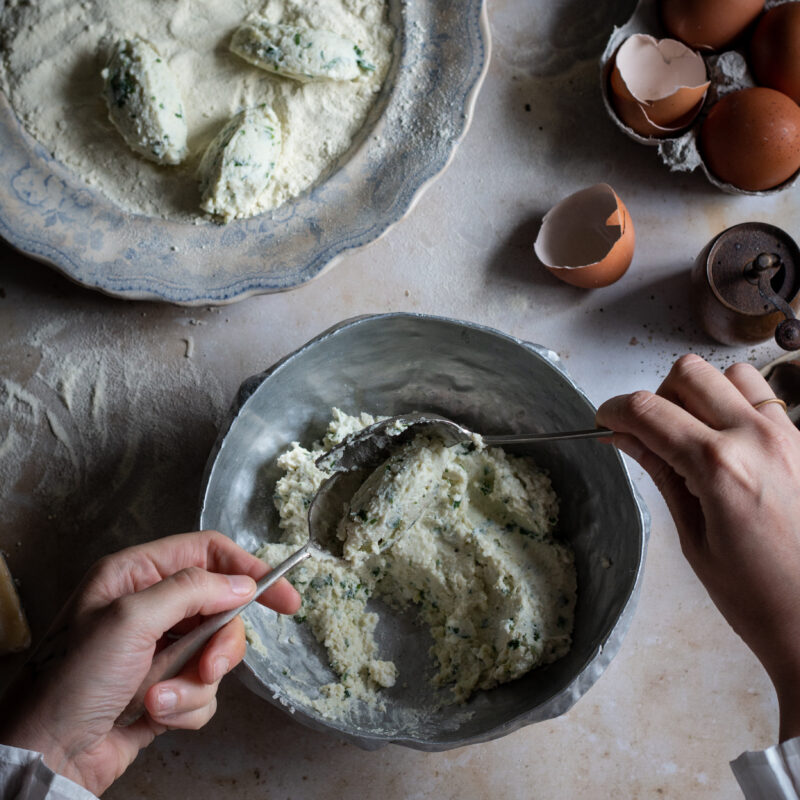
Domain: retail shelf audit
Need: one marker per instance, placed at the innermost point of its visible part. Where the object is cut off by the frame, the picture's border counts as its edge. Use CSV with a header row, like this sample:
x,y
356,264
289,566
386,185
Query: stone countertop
x,y
111,408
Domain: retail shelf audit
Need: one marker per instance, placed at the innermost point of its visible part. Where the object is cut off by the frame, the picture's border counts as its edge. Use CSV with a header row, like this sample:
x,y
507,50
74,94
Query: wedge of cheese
x,y
144,102
15,635
238,163
303,54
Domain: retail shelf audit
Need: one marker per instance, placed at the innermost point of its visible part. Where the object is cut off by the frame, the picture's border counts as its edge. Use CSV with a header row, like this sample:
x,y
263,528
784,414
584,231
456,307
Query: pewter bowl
x,y
393,363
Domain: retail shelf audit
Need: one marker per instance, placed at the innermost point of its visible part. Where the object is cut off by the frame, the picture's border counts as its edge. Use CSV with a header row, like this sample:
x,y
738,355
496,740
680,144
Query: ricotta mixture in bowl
x,y
465,534
53,53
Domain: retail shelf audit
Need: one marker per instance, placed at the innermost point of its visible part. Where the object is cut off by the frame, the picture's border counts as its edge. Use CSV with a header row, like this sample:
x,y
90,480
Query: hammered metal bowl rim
x,y
593,666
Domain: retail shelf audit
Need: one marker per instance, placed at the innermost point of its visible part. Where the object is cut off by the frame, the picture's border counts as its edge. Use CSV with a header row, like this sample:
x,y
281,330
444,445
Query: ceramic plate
x,y
49,213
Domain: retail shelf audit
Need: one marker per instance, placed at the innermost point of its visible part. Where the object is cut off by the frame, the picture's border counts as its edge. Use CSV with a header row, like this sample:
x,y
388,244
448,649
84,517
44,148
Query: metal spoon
x,y
351,463
370,446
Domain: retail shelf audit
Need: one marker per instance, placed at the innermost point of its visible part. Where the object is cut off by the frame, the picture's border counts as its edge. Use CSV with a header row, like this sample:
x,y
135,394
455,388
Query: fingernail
x,y
241,584
167,699
221,667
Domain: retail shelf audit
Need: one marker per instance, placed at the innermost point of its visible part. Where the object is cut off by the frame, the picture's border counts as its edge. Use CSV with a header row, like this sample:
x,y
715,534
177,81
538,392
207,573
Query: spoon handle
x,y
173,658
533,438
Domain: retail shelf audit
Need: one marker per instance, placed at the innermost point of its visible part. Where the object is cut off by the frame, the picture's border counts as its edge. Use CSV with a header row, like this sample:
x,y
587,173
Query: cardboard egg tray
x,y
728,72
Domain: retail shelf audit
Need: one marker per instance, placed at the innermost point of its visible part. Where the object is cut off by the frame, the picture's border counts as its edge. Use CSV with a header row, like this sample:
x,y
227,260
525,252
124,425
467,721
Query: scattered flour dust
x,y
104,438
54,50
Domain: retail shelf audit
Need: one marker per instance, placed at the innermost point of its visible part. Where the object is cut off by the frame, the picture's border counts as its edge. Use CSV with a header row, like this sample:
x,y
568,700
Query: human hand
x,y
101,646
730,475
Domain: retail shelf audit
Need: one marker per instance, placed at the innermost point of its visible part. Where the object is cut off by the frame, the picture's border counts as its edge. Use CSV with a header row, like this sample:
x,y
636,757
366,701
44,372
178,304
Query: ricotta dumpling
x,y
303,54
144,102
239,162
392,499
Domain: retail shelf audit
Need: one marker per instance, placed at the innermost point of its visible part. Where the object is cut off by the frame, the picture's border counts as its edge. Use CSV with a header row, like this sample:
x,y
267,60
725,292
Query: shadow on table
x,y
515,268
658,311
21,275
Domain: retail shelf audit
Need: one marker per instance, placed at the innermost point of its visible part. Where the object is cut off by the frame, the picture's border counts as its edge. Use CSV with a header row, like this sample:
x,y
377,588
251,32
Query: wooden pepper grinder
x,y
746,286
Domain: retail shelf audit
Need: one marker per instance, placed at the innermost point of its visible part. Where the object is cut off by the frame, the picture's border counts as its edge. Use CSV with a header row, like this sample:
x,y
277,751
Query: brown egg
x,y
587,239
751,138
775,50
708,24
657,87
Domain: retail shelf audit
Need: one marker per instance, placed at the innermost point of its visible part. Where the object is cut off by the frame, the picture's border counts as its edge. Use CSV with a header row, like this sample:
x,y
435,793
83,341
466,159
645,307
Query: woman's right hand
x,y
730,474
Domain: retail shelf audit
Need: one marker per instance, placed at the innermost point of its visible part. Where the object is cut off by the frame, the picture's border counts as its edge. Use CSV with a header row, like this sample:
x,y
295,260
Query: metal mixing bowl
x,y
393,363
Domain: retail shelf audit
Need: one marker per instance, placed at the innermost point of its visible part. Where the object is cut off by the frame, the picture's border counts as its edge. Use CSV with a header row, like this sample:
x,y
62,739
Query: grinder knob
x,y
787,334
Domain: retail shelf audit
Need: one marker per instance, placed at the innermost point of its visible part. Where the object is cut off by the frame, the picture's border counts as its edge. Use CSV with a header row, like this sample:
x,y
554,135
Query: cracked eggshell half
x,y
657,87
587,239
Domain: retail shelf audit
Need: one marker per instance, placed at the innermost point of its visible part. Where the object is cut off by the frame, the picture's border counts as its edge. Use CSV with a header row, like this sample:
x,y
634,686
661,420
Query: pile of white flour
x,y
54,50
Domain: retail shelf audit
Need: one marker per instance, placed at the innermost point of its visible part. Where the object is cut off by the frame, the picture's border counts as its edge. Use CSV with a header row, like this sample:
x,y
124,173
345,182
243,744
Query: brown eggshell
x,y
751,139
775,50
657,87
708,24
587,239
640,117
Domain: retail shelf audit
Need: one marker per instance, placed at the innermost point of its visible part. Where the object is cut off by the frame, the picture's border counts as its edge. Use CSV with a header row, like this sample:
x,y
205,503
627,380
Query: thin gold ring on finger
x,y
771,400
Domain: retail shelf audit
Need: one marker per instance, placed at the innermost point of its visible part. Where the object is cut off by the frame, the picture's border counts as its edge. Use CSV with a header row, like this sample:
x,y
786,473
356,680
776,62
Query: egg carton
x,y
728,72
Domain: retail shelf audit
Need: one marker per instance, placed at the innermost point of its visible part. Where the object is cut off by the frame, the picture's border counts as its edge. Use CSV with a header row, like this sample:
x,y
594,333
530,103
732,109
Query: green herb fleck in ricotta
x,y
144,102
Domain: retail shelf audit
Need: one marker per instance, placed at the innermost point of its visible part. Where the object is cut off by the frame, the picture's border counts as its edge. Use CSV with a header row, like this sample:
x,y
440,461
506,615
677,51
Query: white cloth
x,y
771,774
24,776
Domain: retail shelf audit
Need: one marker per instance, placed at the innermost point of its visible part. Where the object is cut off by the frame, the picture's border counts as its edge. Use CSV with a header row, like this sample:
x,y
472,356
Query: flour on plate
x,y
463,533
53,53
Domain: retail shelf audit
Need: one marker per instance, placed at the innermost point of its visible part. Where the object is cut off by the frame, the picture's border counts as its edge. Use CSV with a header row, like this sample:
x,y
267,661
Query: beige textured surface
x,y
684,695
